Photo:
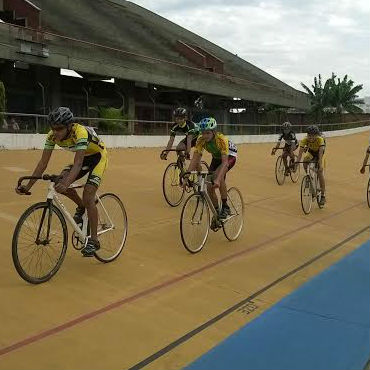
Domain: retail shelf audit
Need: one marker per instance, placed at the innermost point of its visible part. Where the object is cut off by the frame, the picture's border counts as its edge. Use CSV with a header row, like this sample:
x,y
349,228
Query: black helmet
x,y
60,116
286,125
313,130
180,112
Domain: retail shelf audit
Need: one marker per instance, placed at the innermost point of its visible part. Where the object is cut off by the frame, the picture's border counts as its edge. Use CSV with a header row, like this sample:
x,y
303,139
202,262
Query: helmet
x,y
180,112
313,130
60,116
208,123
286,125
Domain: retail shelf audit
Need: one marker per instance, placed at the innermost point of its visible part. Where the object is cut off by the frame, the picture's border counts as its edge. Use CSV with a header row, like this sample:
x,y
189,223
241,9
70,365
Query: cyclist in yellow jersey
x,y
90,158
224,154
315,144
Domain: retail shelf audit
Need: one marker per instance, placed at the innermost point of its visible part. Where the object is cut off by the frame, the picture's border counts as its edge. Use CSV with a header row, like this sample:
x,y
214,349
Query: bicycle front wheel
x,y
172,190
112,227
194,223
294,172
233,225
39,243
306,194
368,193
280,170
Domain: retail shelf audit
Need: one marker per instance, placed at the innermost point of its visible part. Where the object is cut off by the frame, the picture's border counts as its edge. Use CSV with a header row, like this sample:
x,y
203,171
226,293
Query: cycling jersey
x,y
289,138
188,128
313,146
218,146
80,138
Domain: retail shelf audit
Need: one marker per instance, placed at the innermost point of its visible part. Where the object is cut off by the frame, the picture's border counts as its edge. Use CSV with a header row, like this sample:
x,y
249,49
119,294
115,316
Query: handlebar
x,y
52,178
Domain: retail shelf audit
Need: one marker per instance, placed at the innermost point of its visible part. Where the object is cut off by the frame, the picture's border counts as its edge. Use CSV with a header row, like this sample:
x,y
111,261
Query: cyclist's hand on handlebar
x,y
273,151
61,188
163,156
22,190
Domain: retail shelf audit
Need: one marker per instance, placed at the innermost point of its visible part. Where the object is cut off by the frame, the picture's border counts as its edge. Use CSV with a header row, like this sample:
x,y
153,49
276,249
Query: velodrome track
x,y
157,299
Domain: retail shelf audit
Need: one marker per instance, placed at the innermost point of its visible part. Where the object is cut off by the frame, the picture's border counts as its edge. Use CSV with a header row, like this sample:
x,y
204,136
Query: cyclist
x,y
182,126
315,145
291,144
224,154
90,158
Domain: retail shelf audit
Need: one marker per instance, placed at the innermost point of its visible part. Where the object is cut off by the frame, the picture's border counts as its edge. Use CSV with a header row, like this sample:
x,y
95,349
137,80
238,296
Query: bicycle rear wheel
x,y
172,190
112,227
194,223
306,194
233,225
294,172
368,193
39,243
280,170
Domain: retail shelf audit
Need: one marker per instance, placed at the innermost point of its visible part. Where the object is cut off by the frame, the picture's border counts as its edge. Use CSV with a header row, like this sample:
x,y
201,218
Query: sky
x,y
293,40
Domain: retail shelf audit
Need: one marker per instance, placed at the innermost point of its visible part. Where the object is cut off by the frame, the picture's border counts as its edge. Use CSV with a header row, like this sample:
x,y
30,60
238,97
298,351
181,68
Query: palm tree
x,y
343,96
319,95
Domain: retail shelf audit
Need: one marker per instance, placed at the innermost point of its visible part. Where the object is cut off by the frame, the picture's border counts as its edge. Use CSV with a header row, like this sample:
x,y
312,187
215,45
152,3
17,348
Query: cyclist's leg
x,y
284,156
181,145
223,187
215,163
72,193
307,158
92,184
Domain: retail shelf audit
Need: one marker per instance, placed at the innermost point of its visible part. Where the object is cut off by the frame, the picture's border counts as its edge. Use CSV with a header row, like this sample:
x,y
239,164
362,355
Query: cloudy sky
x,y
294,40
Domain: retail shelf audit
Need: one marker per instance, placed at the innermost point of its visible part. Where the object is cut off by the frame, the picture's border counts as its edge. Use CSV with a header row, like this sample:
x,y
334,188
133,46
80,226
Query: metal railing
x,y
37,123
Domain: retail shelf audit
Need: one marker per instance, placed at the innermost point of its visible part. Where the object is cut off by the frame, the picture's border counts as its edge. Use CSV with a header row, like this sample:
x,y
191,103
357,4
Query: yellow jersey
x,y
218,146
80,138
313,146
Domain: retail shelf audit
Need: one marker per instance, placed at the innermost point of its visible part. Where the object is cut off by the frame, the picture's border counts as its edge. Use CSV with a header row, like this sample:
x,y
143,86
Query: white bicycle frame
x,y
82,233
202,189
312,172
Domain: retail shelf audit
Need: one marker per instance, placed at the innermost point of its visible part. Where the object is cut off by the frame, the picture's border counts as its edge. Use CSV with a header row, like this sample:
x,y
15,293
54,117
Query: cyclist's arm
x,y
195,160
76,168
170,142
301,150
40,168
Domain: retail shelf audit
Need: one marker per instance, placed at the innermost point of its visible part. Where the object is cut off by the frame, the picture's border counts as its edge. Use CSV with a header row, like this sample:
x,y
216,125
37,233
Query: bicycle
x,y
195,216
310,187
173,191
40,237
294,171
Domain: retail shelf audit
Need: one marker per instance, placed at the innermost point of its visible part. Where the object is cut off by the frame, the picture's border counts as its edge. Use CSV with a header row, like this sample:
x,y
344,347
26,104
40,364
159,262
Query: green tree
x,y
343,95
319,95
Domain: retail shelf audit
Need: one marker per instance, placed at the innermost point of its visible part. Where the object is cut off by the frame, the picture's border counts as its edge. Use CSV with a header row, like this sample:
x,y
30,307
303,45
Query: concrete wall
x,y
36,141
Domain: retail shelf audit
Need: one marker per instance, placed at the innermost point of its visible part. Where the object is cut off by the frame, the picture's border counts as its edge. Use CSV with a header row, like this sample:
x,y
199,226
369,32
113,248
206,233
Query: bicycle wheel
x,y
233,225
112,227
194,223
368,193
280,170
306,194
294,173
36,256
172,191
